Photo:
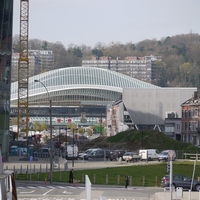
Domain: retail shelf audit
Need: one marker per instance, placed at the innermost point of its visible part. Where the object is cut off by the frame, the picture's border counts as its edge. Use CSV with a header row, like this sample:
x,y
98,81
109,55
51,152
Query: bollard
x,y
6,167
106,179
156,181
45,181
83,180
46,167
26,175
143,180
118,179
38,176
21,169
94,178
130,181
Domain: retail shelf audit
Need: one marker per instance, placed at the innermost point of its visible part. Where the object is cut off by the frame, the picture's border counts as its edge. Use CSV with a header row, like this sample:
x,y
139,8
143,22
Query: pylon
x,y
74,183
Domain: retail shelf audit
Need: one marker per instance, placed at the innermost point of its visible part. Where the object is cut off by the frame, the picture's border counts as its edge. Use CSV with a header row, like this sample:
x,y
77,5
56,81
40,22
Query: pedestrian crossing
x,y
48,187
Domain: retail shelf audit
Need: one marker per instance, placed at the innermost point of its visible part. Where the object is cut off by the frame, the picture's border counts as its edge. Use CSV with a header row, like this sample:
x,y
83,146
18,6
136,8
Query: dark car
x,y
180,181
116,154
98,155
83,156
42,153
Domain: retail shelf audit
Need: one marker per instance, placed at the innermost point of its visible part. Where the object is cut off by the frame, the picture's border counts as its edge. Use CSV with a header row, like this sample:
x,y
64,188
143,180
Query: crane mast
x,y
23,68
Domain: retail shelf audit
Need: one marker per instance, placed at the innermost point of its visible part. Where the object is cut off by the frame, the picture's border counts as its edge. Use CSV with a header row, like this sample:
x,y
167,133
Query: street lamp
x,y
73,146
51,143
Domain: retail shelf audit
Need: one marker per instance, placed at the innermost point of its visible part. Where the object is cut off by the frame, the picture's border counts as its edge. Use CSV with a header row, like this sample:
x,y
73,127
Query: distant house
x,y
191,120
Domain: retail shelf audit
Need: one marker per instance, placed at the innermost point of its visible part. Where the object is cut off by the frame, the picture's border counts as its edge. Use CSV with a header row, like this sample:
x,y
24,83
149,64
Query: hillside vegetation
x,y
180,66
133,140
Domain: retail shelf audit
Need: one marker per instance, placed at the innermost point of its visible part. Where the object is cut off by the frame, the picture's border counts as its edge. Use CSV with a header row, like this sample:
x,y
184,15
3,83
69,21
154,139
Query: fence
x,y
195,156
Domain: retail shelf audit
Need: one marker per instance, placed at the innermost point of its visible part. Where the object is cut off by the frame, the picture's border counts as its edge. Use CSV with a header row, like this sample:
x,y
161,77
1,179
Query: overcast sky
x,y
91,21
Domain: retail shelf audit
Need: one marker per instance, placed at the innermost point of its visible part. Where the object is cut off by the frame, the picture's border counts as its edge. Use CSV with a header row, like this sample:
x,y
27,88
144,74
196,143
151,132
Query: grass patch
x,y
143,175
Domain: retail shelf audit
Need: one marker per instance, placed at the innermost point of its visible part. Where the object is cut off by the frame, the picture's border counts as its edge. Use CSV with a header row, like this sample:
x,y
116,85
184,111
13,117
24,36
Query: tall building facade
x,y
44,60
6,24
142,68
15,61
39,61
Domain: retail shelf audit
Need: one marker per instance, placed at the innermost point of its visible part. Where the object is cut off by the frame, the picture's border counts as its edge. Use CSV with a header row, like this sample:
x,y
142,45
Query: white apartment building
x,y
142,68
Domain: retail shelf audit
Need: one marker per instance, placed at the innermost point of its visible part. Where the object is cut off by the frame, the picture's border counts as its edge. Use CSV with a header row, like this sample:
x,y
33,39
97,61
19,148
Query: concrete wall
x,y
149,106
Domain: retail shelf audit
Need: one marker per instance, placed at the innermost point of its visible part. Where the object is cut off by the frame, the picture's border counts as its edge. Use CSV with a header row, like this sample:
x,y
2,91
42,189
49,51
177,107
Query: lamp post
x,y
73,150
51,143
73,147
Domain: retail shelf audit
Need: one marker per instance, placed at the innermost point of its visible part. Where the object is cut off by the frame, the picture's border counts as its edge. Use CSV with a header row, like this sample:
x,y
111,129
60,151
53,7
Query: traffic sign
x,y
171,154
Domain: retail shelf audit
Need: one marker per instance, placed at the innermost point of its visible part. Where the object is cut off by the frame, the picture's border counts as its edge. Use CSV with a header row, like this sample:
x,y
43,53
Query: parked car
x,y
180,181
167,155
42,153
131,156
116,154
98,154
83,155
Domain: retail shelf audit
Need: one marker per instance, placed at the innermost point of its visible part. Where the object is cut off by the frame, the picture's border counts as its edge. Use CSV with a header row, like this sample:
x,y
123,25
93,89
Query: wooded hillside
x,y
180,66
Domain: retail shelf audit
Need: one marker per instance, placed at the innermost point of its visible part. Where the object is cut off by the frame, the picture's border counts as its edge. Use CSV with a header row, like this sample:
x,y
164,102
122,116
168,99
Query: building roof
x,y
77,78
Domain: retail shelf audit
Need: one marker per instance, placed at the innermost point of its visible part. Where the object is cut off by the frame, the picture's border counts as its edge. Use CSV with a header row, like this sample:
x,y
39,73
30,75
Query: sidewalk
x,y
62,164
166,196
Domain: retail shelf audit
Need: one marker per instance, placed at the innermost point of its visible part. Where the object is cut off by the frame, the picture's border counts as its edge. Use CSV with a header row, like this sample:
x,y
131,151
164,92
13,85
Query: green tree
x,y
45,45
44,126
98,53
37,126
77,52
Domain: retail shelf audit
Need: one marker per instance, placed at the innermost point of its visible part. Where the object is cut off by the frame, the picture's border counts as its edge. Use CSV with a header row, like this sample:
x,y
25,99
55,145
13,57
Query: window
x,y
186,126
177,126
189,113
196,125
196,112
186,113
192,112
183,114
183,127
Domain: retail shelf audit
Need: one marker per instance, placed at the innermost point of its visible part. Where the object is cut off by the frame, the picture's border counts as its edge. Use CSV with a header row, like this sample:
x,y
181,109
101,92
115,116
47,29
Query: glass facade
x,y
76,85
6,24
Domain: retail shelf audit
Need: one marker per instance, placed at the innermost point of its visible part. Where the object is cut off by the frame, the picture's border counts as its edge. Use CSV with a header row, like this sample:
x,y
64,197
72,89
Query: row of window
x,y
190,126
190,113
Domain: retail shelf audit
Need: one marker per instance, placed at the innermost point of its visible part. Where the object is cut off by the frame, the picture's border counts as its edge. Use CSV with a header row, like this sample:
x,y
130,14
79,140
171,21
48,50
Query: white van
x,y
148,154
71,152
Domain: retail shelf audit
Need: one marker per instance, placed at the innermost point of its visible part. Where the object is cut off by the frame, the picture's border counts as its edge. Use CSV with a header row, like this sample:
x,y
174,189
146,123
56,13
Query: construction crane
x,y
23,68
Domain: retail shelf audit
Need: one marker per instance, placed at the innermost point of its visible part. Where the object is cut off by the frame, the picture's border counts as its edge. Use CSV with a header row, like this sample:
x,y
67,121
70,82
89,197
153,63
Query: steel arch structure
x,y
78,85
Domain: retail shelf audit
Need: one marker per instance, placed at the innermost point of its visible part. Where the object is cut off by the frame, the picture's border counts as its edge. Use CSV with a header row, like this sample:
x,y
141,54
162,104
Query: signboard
x,y
171,154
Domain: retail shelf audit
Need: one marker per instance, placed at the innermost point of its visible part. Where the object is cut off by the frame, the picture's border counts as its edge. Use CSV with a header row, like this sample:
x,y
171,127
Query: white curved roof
x,y
79,78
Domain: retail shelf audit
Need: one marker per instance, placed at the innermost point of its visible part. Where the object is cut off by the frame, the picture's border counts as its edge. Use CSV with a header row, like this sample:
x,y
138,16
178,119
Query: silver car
x,y
167,155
